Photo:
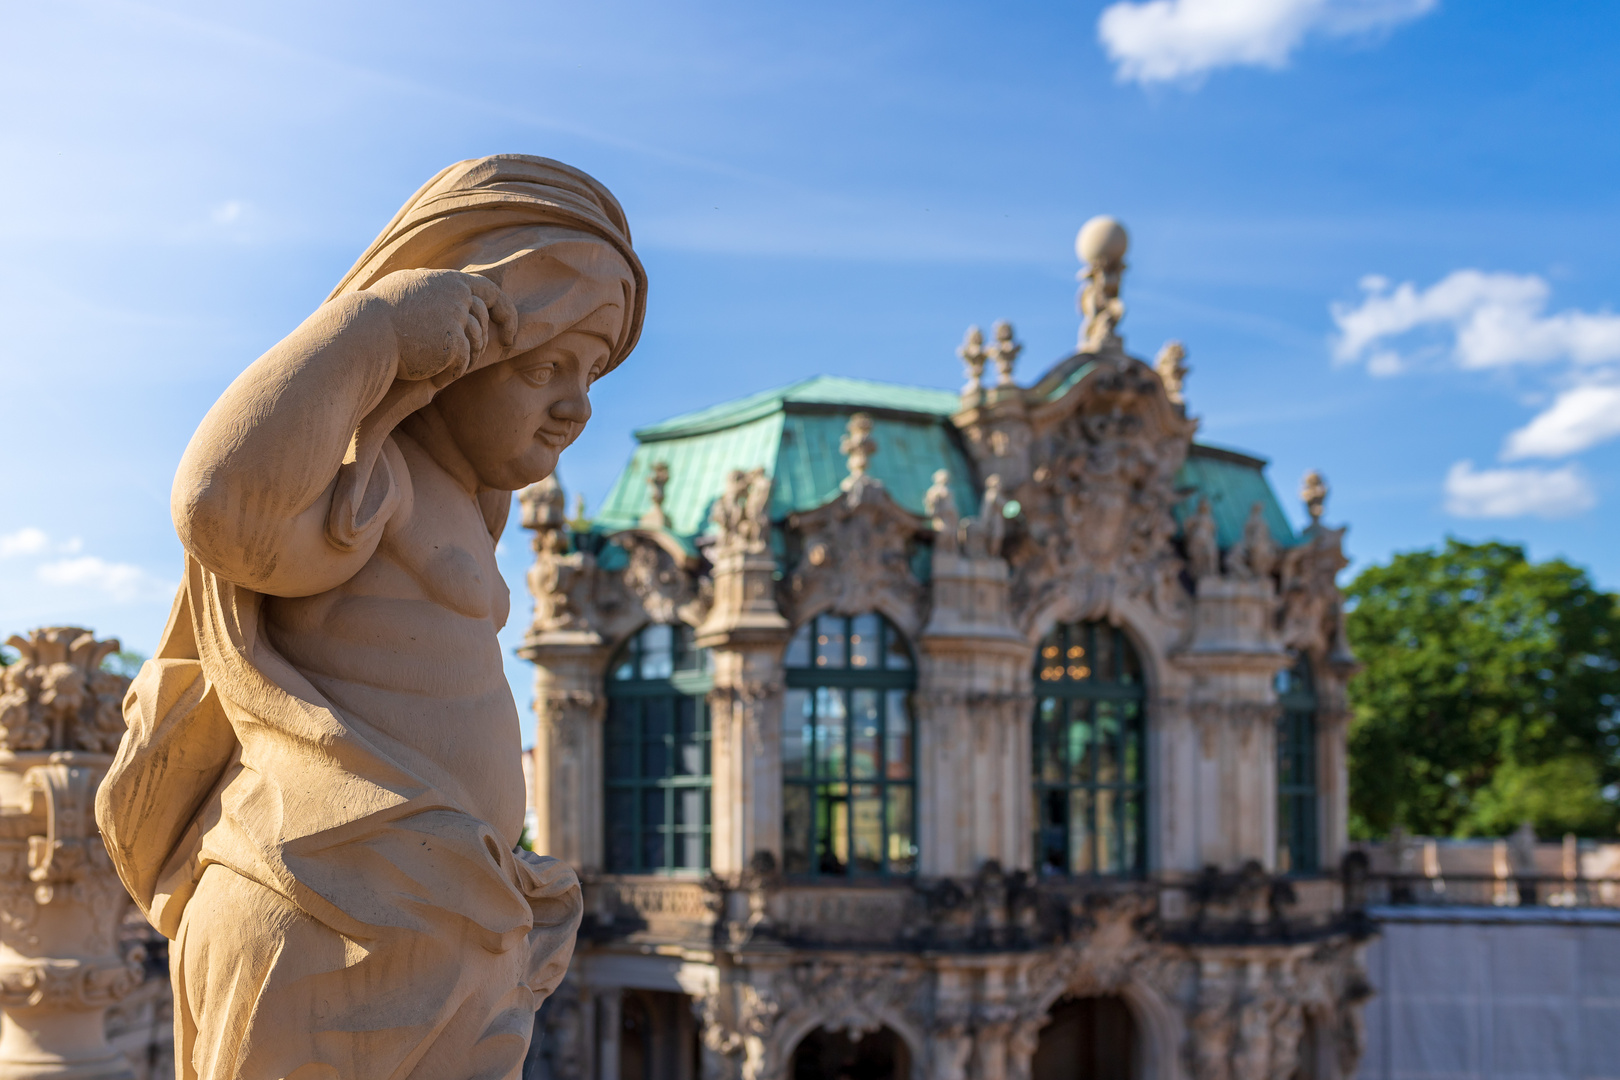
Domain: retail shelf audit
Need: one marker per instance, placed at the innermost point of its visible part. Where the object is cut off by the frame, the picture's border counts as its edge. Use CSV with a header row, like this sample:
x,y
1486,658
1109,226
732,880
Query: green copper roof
x,y
794,432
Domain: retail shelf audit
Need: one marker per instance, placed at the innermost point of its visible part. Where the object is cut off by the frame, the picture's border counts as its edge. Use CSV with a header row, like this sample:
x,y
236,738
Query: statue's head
x,y
557,243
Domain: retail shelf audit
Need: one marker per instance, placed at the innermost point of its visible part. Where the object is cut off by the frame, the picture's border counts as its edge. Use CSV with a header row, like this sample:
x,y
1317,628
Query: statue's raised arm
x,y
320,796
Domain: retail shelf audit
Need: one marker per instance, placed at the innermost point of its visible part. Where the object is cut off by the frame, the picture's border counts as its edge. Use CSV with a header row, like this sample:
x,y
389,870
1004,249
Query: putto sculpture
x,y
320,798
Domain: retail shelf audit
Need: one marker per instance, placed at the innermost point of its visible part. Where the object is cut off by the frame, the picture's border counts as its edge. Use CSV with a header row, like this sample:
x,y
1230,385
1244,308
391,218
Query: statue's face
x,y
512,418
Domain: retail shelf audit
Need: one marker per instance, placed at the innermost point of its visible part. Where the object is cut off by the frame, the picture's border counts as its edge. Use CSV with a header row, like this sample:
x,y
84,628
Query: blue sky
x,y
1383,228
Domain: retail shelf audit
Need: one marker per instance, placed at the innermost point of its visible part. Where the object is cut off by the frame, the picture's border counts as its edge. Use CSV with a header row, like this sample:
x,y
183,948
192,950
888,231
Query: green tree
x,y
1487,697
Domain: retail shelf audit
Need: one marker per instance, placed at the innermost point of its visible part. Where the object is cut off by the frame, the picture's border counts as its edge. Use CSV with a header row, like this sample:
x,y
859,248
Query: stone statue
x,y
973,356
61,964
1313,491
1101,245
657,481
1171,364
940,504
857,446
983,535
1203,551
1255,558
1005,353
319,798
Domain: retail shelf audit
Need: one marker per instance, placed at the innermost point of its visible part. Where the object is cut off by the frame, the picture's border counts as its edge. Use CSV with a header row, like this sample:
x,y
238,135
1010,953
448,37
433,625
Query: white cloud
x,y
1494,320
122,582
1170,40
1578,418
25,541
1510,493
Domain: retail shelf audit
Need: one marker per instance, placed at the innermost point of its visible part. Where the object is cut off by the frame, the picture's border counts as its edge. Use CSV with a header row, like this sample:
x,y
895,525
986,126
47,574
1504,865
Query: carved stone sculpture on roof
x,y
1005,353
982,536
1172,368
1255,556
657,481
973,356
1101,245
1203,550
854,551
560,581
1096,512
741,515
940,504
1310,606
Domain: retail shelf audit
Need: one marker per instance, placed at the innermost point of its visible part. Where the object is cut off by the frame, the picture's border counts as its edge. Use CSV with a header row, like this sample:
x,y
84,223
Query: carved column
x,y
60,901
746,634
973,722
569,701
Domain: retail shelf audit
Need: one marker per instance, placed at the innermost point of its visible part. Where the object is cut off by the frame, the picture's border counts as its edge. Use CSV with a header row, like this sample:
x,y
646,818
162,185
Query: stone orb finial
x,y
1102,240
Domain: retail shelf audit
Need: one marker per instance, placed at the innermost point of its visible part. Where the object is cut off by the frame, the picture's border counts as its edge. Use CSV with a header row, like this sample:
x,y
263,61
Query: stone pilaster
x,y
570,705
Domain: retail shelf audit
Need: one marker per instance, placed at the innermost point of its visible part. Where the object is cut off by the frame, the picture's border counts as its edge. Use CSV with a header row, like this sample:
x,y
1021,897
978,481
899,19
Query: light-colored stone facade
x,y
1086,503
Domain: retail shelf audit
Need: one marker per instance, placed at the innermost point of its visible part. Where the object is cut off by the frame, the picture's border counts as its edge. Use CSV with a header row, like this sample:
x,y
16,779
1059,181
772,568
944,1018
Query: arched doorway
x,y
1089,1038
835,1055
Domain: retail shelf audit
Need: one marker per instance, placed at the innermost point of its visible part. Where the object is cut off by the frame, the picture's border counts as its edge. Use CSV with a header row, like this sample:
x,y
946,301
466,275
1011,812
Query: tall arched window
x,y
657,761
1297,848
848,793
1090,753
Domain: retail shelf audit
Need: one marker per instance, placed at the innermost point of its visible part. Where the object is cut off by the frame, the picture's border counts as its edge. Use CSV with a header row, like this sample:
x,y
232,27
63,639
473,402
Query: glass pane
x,y
621,740
653,848
868,829
689,851
621,830
690,805
1049,666
688,738
830,643
897,738
1132,772
656,721
832,828
896,657
1080,853
1131,845
865,642
1102,658
830,734
1130,668
795,829
867,724
1049,730
1106,735
902,851
1051,835
1075,659
626,668
797,728
657,652
1107,829
652,808
798,652
1081,753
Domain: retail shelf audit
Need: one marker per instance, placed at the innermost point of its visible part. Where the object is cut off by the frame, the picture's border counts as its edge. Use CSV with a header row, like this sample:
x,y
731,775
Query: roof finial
x,y
1101,245
857,446
1314,490
1005,353
657,480
1172,368
973,355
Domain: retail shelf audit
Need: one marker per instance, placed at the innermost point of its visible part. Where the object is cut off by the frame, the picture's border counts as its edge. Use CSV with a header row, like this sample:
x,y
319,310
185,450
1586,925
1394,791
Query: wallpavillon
x,y
903,733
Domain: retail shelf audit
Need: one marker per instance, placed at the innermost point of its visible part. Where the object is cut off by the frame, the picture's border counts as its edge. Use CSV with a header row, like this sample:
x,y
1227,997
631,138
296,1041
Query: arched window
x,y
848,793
1090,753
1297,849
1088,1038
657,761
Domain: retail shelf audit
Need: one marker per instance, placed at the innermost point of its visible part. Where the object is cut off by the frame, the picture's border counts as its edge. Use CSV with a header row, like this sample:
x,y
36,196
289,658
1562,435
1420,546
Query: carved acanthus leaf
x,y
57,697
855,556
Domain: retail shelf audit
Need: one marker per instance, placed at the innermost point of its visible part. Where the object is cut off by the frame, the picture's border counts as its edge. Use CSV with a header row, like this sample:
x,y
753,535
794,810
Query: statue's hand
x,y
441,320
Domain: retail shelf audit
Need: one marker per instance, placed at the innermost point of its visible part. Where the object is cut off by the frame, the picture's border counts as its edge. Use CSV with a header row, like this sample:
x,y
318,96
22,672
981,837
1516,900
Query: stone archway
x,y
836,1055
1087,1038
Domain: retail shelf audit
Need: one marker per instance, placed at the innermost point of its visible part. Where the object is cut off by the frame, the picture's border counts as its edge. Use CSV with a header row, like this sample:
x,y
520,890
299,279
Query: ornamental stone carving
x,y
61,962
1097,509
854,555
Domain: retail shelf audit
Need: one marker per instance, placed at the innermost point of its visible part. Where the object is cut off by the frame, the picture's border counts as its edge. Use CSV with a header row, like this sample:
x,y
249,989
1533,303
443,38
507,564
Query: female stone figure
x,y
320,798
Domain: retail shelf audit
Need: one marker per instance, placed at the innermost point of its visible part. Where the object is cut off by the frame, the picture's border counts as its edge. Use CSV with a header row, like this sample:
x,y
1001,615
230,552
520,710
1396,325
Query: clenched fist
x,y
441,321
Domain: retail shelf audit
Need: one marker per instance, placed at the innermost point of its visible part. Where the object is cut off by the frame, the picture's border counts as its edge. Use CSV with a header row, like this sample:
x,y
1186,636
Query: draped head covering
x,y
507,217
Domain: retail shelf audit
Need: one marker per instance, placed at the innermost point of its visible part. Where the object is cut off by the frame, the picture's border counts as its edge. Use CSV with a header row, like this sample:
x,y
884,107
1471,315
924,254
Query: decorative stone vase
x,y
60,901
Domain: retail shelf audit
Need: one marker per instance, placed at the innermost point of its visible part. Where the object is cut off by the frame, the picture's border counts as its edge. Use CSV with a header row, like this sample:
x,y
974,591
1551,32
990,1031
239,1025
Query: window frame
x,y
691,683
847,680
1299,810
1070,692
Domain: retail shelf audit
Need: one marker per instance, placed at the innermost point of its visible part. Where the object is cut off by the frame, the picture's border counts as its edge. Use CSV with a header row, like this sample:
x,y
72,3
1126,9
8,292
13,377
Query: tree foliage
x,y
1487,697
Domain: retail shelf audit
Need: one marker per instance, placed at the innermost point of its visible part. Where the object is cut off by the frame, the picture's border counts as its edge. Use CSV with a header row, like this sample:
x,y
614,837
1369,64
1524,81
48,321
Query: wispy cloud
x,y
65,567
1492,320
1511,493
1179,40
25,541
1579,418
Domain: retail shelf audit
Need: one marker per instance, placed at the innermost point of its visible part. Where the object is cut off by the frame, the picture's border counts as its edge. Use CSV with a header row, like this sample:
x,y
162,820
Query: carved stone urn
x,y
60,901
